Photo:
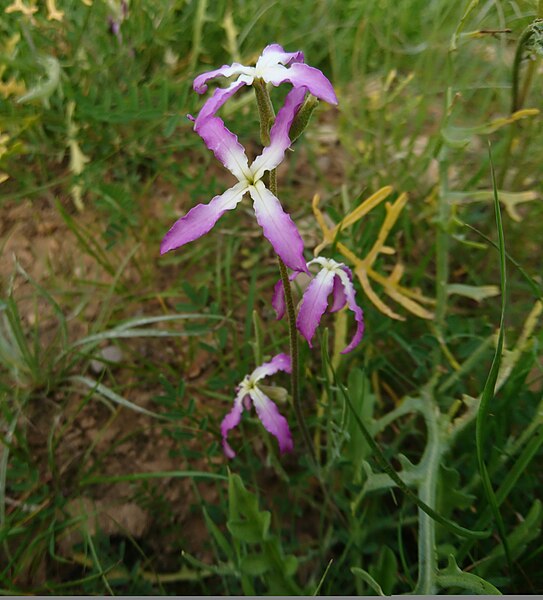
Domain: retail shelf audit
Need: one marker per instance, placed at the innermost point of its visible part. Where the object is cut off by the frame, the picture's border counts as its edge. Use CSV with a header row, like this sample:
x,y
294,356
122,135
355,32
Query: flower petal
x,y
230,421
272,419
273,154
201,219
340,299
200,86
314,303
280,362
278,227
274,54
224,144
299,75
219,97
278,299
348,287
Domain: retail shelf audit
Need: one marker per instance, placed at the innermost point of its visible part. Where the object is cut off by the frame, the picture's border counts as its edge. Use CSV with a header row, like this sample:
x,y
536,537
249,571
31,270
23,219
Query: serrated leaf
x,y
450,493
44,89
454,577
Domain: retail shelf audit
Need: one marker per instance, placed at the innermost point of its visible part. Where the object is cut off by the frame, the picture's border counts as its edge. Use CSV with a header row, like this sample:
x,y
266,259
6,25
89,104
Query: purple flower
x,y
273,66
249,390
334,278
277,226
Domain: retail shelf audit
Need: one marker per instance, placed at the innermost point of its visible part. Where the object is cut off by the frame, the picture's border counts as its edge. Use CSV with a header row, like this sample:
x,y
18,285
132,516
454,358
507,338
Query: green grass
x,y
117,365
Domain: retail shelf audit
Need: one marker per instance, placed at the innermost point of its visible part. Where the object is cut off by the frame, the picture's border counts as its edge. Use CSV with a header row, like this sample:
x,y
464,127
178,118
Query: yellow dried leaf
x,y
53,14
409,299
19,6
12,88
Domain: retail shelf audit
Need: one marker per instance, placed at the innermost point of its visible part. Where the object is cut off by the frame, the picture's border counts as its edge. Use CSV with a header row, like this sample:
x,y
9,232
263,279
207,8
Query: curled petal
x,y
230,421
273,154
224,144
272,419
200,82
351,301
219,97
280,362
201,219
339,298
299,75
278,227
278,299
274,54
314,303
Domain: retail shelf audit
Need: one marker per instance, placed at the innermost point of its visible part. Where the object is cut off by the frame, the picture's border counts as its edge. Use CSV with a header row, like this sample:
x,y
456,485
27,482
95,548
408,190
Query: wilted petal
x,y
339,298
273,154
351,301
200,86
272,419
201,219
224,144
314,303
278,227
274,54
280,362
230,421
300,74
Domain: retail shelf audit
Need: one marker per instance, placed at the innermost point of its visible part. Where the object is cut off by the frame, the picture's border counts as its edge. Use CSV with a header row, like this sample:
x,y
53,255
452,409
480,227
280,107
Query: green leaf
x,y
44,89
386,570
475,292
251,531
450,493
219,537
389,470
357,449
366,577
291,565
517,541
488,391
453,577
255,564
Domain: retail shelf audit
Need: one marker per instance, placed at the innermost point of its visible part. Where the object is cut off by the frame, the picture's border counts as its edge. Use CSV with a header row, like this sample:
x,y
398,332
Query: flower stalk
x,y
267,116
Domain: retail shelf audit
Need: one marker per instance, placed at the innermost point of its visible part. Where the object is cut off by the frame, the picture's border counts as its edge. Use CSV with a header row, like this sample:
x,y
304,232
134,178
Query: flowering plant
x,y
250,390
274,66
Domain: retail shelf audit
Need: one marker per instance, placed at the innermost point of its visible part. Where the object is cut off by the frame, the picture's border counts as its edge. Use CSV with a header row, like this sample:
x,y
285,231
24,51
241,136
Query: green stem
x,y
293,339
427,552
267,116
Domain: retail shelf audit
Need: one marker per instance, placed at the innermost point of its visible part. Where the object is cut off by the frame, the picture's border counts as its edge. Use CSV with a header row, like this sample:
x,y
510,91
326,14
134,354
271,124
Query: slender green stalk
x,y
427,552
267,116
293,339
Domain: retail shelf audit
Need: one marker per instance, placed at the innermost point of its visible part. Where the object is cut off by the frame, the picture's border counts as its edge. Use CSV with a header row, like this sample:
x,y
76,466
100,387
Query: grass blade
x,y
490,384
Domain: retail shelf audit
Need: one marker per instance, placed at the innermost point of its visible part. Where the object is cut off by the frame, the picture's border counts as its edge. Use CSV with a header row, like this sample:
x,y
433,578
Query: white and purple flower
x,y
277,225
333,278
250,390
274,66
